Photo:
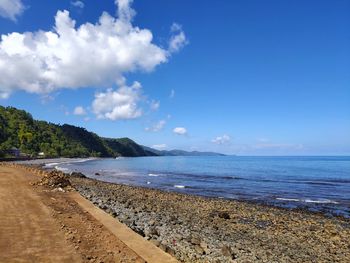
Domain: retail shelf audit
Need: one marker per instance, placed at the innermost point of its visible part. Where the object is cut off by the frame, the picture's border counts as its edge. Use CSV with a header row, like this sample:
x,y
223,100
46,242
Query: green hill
x,y
19,130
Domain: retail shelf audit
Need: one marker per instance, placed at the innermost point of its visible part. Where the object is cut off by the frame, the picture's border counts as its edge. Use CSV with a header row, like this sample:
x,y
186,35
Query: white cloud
x,y
175,27
118,104
178,40
156,127
78,4
221,139
125,12
79,110
91,55
159,146
11,9
180,130
172,94
4,95
154,105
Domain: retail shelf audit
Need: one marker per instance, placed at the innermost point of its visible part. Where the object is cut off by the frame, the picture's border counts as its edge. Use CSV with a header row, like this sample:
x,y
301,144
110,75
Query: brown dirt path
x,y
41,225
27,232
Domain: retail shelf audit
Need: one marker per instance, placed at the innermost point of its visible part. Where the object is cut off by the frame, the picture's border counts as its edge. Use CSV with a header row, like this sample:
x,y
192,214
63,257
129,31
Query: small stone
x,y
199,250
178,237
312,228
224,215
226,251
153,231
155,242
203,245
163,247
195,241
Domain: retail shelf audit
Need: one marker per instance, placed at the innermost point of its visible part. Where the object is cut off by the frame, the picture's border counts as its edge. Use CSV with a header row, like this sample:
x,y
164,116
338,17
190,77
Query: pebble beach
x,y
199,229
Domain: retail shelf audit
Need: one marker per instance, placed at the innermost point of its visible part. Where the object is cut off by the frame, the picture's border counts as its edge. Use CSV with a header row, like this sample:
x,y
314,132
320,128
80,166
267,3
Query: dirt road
x,y
41,225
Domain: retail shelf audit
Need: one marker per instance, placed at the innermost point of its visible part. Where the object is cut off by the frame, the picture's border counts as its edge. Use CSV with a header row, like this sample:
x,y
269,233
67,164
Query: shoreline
x,y
323,206
204,229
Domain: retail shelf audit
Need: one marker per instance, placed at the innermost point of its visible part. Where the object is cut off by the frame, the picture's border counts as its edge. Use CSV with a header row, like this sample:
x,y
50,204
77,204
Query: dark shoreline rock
x,y
199,229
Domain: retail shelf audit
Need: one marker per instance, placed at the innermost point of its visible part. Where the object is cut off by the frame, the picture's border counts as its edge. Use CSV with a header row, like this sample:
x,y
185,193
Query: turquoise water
x,y
316,183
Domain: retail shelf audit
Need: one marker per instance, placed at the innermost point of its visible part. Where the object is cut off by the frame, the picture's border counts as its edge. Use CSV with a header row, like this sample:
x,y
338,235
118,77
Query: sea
x,y
319,184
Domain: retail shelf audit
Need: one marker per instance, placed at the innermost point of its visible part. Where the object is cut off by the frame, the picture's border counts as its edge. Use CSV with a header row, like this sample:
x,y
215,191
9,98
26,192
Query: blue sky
x,y
240,77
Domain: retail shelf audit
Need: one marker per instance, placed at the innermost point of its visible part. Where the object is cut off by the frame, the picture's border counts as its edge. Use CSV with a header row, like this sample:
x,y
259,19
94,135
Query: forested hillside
x,y
19,130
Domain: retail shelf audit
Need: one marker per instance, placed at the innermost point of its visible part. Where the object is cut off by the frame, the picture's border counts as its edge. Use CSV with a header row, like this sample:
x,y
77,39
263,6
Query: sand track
x,y
38,224
27,231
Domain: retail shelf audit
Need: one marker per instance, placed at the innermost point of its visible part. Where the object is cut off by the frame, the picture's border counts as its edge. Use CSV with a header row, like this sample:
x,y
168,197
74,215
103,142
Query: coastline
x,y
200,229
204,229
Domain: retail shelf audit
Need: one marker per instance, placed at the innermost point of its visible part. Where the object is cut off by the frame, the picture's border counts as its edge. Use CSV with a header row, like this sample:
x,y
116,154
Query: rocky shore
x,y
197,229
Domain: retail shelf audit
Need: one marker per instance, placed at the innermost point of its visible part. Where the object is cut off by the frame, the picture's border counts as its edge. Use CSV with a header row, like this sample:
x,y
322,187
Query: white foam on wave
x,y
324,201
288,199
179,186
148,182
51,164
154,175
320,201
68,162
62,169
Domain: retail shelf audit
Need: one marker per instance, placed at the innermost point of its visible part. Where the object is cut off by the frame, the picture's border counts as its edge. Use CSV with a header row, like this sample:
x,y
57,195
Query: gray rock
x,y
199,250
195,241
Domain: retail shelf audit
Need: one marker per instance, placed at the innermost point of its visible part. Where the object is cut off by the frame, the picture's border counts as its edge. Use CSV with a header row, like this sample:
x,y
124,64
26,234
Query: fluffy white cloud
x,y
78,4
79,110
156,127
159,146
180,130
178,40
11,9
118,104
222,139
74,57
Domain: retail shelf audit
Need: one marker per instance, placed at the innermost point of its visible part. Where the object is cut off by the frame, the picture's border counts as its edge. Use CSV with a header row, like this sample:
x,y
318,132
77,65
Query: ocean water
x,y
315,183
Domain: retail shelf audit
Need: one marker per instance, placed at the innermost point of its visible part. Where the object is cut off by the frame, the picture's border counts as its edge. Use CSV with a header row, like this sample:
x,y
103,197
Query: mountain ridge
x,y
21,133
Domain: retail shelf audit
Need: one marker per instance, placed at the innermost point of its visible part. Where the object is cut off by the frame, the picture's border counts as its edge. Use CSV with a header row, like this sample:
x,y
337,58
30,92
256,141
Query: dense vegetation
x,y
19,130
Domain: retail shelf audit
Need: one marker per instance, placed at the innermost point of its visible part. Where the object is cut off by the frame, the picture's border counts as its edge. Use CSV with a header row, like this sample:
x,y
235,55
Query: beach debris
x,y
57,180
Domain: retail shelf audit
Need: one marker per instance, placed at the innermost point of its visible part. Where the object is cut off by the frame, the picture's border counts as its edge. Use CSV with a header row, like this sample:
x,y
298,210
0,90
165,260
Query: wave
x,y
316,201
324,201
51,164
179,186
153,175
62,169
288,199
68,162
